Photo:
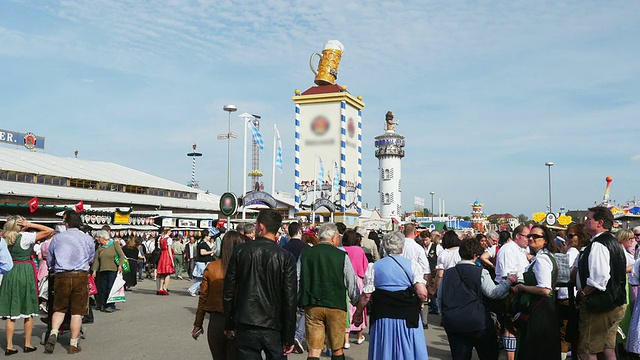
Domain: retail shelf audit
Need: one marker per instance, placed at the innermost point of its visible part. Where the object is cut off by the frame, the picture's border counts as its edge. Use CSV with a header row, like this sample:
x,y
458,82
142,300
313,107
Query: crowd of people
x,y
272,289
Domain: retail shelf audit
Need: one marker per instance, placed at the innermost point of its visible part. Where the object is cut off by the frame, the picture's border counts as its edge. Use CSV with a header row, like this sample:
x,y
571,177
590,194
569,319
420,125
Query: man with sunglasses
x,y
601,281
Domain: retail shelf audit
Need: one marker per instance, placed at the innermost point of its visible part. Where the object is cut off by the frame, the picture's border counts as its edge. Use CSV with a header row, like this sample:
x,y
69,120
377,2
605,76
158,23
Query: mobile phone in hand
x,y
196,334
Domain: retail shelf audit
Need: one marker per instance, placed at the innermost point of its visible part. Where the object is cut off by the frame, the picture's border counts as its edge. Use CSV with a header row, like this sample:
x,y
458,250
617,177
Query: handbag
x,y
520,309
599,301
93,289
126,268
411,289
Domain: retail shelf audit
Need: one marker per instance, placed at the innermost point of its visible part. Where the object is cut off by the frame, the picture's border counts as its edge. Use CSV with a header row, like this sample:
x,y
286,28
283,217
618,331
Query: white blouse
x,y
543,269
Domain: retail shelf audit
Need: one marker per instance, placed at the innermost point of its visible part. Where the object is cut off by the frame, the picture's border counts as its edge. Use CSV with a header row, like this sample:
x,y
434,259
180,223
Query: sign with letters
x,y
28,140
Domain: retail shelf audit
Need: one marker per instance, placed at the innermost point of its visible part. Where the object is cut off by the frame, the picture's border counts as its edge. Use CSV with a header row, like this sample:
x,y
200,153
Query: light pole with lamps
x,y
549,164
246,117
228,136
432,193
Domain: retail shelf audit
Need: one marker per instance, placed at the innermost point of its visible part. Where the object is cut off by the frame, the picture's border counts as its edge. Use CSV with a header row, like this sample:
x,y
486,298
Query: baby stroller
x,y
66,323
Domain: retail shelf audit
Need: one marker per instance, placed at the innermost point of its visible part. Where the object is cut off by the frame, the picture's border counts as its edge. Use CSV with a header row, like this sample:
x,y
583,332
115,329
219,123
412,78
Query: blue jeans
x,y
140,269
195,287
300,327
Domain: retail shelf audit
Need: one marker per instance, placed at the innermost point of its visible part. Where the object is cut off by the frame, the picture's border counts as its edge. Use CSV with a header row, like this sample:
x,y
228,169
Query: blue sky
x,y
486,92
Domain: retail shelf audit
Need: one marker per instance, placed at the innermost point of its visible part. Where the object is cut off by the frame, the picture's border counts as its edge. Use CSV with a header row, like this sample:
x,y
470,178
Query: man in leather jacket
x,y
259,295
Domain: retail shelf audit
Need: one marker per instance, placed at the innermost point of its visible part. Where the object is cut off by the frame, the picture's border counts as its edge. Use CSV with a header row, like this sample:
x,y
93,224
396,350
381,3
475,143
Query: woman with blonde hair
x,y
18,292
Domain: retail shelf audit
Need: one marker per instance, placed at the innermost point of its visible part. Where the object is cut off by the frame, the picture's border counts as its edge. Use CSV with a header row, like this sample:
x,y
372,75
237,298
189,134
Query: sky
x,y
486,92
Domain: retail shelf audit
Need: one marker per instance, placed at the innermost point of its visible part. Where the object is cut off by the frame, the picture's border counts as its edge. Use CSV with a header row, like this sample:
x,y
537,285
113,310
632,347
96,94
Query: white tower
x,y
390,153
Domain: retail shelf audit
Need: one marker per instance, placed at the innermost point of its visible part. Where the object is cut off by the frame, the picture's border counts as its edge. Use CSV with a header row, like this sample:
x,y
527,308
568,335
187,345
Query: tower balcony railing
x,y
390,151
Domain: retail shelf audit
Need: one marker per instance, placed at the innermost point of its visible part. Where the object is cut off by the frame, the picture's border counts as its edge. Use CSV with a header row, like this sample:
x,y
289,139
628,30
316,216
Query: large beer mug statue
x,y
327,72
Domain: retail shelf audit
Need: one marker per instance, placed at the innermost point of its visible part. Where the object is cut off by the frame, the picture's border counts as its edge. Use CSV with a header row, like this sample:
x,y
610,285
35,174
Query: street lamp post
x,y
245,118
432,193
549,164
228,136
229,109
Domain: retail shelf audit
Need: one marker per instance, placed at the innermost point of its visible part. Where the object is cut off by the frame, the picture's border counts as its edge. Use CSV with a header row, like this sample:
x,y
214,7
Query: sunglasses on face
x,y
534,236
569,236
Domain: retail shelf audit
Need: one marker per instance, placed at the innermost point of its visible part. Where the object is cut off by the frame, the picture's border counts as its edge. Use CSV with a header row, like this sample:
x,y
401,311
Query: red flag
x,y
33,204
80,206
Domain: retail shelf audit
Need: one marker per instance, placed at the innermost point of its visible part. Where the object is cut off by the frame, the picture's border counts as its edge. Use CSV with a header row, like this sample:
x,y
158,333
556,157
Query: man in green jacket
x,y
326,279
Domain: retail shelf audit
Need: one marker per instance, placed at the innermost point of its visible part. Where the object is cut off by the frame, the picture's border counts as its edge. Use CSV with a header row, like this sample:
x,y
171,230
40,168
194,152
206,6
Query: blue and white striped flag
x,y
321,173
336,176
257,137
278,150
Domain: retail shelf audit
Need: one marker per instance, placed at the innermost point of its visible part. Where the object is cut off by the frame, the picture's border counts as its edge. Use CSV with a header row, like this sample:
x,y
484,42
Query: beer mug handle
x,y
313,68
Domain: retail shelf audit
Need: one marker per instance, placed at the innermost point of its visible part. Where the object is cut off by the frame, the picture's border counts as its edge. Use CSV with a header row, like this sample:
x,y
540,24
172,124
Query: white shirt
x,y
27,239
369,277
599,268
511,257
149,245
492,251
415,252
448,258
439,248
542,269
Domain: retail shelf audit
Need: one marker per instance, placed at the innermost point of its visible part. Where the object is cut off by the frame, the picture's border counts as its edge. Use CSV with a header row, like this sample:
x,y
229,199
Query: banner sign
x,y
324,202
187,223
121,219
206,224
169,222
259,197
28,140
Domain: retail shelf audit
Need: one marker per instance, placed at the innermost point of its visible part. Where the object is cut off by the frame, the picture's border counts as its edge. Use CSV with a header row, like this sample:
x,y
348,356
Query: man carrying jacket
x,y
259,295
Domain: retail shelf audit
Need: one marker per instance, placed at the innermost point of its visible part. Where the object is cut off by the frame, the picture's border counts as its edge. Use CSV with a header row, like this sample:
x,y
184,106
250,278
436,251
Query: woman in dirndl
x,y
166,265
395,331
539,337
18,292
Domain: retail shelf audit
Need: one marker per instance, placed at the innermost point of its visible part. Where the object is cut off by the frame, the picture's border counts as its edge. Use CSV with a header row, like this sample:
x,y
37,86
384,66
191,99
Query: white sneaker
x,y
347,345
360,340
180,278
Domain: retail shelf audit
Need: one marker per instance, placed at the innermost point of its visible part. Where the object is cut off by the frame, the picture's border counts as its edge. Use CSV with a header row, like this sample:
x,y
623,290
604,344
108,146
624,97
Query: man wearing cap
x,y
70,254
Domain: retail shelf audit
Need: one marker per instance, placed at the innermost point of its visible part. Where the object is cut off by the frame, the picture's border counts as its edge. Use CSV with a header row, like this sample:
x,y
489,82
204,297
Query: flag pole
x,y
315,174
333,185
273,168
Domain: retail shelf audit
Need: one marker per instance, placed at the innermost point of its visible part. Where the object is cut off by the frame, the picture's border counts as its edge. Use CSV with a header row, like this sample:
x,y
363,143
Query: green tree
x,y
522,218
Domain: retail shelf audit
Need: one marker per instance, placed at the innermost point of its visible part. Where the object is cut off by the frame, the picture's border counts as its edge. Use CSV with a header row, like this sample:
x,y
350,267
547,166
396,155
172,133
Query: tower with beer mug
x,y
390,153
328,145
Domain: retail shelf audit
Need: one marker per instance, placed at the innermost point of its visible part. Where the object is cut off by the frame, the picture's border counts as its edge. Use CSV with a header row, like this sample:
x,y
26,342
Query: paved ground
x,y
148,326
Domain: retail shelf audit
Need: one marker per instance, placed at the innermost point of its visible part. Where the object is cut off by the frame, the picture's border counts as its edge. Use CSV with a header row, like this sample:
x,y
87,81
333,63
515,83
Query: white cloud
x,y
635,158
